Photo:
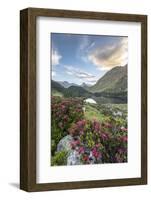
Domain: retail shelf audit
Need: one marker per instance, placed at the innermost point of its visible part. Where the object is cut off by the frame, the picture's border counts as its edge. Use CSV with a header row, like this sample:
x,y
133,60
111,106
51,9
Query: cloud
x,y
53,73
111,55
80,74
84,48
91,45
55,57
86,44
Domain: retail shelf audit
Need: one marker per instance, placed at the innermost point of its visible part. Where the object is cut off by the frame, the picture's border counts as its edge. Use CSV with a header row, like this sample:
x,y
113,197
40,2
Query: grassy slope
x,y
114,80
57,93
91,113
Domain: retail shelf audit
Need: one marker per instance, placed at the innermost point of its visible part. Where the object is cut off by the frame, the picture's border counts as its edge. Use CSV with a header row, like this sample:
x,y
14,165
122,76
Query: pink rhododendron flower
x,y
104,136
81,132
96,153
74,144
81,123
108,125
81,150
124,138
85,158
120,150
97,145
96,126
123,129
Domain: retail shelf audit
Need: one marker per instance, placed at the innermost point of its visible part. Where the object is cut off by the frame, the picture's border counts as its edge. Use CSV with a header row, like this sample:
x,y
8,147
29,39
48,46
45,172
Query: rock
x,y
118,113
73,157
91,158
64,143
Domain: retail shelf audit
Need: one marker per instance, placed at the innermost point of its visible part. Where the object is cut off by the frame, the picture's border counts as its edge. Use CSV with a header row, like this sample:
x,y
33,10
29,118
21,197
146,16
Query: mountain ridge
x,y
112,84
113,81
66,84
72,91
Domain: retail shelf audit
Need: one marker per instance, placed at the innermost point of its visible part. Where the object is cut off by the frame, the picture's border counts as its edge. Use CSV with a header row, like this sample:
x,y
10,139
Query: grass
x,y
118,106
56,93
91,113
103,112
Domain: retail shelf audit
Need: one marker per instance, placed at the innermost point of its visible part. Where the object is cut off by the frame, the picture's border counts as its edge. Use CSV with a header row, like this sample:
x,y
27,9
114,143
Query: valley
x,y
111,88
89,123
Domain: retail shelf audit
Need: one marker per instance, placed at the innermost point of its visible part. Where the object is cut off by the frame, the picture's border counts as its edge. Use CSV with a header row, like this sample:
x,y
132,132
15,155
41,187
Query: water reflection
x,y
110,100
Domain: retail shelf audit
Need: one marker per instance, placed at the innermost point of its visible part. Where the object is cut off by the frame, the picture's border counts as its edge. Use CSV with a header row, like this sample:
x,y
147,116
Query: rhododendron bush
x,y
64,112
95,141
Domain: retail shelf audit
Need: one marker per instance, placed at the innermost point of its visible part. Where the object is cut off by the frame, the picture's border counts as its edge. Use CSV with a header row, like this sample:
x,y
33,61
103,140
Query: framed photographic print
x,y
83,93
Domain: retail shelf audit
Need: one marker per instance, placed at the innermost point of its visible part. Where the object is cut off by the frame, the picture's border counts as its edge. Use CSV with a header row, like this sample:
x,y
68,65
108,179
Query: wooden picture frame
x,y
28,98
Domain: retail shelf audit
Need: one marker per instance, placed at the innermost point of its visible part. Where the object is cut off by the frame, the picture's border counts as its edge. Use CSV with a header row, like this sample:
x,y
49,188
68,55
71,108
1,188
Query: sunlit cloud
x,y
111,55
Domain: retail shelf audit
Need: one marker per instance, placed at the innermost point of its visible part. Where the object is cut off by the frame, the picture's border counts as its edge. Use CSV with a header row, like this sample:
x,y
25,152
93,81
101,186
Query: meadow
x,y
85,133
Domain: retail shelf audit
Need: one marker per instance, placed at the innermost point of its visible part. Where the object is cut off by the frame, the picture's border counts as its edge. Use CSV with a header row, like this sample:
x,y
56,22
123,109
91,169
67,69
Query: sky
x,y
80,58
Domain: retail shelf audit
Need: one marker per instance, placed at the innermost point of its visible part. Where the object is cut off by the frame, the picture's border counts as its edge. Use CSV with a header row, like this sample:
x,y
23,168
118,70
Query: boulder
x,y
73,157
64,143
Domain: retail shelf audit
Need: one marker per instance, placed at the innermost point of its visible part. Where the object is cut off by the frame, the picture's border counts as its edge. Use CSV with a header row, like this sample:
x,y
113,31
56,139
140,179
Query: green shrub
x,y
60,158
56,136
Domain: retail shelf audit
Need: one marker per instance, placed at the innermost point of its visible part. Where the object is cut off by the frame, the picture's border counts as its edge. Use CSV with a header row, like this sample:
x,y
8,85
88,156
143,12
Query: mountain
x,y
112,85
85,86
73,91
76,91
66,84
56,88
114,81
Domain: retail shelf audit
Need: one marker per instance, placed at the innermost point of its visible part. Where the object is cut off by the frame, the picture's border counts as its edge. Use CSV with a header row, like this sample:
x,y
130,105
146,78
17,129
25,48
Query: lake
x,y
110,100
